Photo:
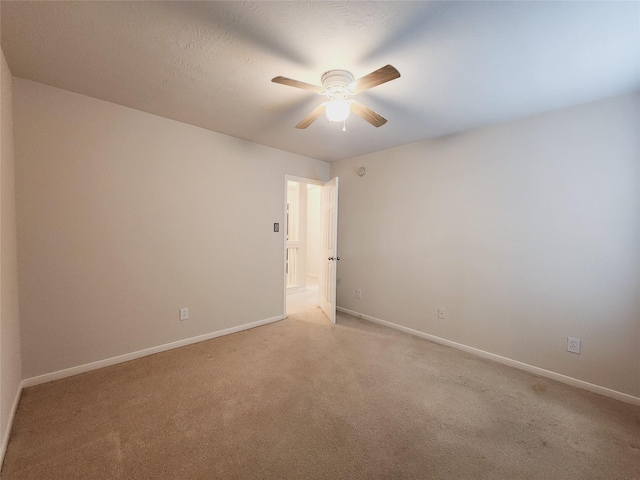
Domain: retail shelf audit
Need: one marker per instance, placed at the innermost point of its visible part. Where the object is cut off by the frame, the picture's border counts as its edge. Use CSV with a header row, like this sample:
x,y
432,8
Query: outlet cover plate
x,y
358,293
184,314
573,345
441,313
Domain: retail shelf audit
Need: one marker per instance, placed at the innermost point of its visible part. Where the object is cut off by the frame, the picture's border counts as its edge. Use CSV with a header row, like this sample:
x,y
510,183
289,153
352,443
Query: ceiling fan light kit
x,y
337,110
337,85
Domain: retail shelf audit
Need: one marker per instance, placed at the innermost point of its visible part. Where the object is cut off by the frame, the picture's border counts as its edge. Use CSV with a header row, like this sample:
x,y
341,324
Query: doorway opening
x,y
302,267
296,240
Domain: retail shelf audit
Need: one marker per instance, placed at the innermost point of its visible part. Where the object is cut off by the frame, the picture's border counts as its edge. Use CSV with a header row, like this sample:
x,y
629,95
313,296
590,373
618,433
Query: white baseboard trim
x,y
7,432
68,372
574,382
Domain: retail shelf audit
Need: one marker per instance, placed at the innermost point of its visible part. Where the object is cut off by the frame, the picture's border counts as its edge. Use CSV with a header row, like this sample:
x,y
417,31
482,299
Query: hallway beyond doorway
x,y
303,300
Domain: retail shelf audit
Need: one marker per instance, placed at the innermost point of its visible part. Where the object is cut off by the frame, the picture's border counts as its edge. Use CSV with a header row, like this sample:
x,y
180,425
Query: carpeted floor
x,y
303,399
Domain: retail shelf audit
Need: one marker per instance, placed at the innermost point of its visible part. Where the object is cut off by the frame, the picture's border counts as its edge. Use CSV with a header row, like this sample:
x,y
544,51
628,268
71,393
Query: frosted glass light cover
x,y
338,110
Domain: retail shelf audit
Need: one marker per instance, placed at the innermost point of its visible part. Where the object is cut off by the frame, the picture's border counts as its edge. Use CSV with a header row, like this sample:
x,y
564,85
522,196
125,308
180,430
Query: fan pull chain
x,y
344,125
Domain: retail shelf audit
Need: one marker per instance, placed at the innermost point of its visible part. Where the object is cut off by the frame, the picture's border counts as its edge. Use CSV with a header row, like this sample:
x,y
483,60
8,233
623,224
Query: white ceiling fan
x,y
338,85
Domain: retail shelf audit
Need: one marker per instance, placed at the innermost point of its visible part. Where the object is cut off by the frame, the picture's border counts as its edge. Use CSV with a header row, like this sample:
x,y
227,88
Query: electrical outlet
x,y
441,313
358,293
573,345
184,313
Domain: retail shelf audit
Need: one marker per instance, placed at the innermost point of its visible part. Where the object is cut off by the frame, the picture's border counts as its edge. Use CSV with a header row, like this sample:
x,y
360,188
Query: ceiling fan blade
x,y
309,119
378,77
367,114
298,84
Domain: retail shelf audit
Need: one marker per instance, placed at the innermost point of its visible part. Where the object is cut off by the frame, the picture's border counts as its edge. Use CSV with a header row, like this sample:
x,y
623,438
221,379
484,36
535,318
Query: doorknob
x,y
334,258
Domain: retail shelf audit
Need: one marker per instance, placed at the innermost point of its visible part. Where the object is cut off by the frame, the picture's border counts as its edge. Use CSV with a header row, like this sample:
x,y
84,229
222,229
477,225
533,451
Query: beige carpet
x,y
303,399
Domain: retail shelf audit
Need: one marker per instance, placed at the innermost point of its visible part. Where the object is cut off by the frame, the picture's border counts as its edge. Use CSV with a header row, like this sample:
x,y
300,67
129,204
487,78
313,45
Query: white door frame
x,y
290,178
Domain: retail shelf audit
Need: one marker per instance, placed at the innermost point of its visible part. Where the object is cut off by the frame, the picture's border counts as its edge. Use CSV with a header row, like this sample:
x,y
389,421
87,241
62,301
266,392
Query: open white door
x,y
328,249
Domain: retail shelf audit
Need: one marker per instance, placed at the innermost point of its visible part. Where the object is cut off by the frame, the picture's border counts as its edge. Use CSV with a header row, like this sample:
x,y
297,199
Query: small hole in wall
x,y
361,172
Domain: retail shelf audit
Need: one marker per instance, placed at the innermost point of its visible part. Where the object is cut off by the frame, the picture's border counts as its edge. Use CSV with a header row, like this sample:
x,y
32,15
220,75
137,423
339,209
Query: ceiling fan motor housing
x,y
336,83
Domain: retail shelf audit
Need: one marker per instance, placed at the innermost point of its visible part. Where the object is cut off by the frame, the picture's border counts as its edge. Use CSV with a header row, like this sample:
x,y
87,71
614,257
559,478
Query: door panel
x,y
329,251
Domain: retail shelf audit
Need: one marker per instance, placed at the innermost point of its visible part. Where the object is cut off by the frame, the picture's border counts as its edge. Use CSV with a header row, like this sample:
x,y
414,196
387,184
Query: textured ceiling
x,y
463,64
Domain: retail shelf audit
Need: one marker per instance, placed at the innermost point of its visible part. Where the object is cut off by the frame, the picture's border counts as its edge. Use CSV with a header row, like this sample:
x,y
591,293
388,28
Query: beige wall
x,y
10,361
525,232
125,217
